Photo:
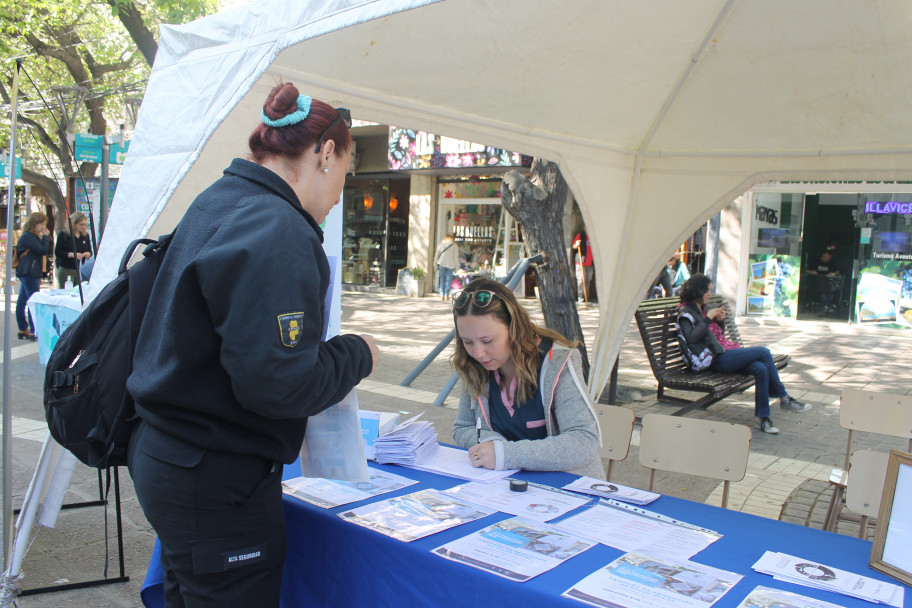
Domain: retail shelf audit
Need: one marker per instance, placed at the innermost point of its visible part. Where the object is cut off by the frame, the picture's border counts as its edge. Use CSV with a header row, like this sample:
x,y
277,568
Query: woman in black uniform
x,y
231,361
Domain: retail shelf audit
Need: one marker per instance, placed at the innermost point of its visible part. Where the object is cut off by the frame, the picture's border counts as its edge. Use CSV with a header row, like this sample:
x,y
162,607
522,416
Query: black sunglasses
x,y
481,299
344,116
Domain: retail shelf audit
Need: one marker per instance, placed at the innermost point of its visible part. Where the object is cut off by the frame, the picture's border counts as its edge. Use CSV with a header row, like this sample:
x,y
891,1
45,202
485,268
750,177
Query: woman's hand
x,y
716,314
482,455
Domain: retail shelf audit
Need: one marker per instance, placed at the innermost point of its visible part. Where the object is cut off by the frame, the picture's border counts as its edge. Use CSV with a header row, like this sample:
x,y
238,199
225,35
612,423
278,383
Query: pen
x,y
477,431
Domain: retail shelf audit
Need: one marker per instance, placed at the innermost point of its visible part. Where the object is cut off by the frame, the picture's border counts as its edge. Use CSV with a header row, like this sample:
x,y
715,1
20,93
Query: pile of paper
x,y
407,444
607,489
784,567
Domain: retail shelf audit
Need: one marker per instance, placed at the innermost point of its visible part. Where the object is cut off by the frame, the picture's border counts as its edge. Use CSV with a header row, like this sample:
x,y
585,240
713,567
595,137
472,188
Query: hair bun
x,y
282,101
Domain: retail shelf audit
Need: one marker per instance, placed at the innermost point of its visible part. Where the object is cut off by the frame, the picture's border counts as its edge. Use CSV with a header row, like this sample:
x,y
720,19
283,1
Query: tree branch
x,y
133,22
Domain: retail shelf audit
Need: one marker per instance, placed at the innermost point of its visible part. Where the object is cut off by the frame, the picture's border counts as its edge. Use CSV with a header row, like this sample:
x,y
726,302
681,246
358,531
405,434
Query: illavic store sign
x,y
891,207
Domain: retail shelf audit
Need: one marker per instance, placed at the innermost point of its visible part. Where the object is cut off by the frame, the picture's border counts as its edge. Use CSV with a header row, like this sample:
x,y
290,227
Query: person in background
x,y
33,245
585,271
824,263
694,320
447,261
679,273
71,250
824,268
230,361
525,405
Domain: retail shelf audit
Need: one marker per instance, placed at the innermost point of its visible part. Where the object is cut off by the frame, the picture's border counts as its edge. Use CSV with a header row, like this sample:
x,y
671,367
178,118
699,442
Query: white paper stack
x,y
791,569
606,489
407,444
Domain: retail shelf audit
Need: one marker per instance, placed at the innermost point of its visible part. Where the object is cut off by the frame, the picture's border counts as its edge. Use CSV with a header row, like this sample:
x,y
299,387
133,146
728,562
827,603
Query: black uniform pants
x,y
219,518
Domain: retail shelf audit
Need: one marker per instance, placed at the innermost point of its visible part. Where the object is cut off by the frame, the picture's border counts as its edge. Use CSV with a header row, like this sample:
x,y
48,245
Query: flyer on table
x,y
415,515
516,548
329,493
638,580
541,503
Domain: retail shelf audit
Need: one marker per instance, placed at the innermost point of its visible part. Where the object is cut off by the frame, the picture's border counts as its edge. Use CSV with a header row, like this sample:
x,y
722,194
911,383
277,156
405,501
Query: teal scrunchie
x,y
291,119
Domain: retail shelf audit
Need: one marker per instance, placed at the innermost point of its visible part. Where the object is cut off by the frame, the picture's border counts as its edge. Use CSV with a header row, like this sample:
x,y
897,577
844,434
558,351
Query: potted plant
x,y
419,285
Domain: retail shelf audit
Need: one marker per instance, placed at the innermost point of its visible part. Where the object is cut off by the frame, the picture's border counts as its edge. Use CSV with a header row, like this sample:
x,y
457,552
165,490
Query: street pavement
x,y
786,478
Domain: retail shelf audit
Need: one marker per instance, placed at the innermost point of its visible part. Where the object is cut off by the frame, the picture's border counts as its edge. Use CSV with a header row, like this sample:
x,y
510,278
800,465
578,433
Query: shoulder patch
x,y
290,326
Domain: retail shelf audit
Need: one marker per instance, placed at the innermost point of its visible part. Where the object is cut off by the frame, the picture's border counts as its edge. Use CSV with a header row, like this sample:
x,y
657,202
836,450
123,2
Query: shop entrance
x,y
828,254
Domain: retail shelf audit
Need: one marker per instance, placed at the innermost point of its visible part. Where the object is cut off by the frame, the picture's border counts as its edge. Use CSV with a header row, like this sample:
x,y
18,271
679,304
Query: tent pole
x,y
7,333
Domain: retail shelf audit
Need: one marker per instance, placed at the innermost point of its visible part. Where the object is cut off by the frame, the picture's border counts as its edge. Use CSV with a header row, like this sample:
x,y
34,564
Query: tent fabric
x,y
658,113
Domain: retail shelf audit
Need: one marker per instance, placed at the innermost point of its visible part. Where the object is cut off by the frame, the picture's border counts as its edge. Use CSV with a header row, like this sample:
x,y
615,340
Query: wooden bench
x,y
656,321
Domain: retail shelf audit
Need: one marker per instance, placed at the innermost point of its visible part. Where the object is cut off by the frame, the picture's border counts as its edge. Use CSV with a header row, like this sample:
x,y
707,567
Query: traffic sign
x,y
3,164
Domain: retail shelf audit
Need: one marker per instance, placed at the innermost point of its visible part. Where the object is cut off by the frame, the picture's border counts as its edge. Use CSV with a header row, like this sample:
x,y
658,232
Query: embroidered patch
x,y
290,326
243,557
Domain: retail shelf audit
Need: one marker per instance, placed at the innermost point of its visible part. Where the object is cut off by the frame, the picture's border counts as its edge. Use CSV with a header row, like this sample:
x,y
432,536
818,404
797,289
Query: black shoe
x,y
766,425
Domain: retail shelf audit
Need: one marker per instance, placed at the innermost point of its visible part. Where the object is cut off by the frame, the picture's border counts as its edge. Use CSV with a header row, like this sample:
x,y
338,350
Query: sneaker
x,y
793,405
766,425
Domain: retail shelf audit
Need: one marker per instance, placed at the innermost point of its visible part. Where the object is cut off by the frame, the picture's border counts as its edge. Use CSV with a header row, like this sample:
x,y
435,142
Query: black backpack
x,y
88,409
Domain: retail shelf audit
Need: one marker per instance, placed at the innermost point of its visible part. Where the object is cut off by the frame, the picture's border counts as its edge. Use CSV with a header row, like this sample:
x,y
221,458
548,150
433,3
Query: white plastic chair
x,y
616,423
707,448
868,412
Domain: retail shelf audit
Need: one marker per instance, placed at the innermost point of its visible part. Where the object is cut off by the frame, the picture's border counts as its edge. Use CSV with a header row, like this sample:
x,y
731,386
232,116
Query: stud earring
x,y
325,170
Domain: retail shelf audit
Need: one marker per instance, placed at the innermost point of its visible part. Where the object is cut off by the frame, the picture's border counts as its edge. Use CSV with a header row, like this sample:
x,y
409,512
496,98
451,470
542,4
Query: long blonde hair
x,y
524,337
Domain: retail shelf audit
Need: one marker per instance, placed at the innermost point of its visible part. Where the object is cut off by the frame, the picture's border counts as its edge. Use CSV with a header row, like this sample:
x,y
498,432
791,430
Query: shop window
x,y
774,259
883,295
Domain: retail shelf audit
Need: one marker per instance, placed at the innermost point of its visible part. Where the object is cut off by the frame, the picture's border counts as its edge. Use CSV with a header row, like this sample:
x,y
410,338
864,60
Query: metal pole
x,y
7,335
103,186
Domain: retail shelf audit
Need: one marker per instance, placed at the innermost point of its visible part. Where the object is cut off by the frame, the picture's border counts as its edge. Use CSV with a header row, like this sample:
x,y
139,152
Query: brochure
x,y
606,489
630,531
538,502
415,515
784,567
516,548
332,446
765,597
638,580
329,493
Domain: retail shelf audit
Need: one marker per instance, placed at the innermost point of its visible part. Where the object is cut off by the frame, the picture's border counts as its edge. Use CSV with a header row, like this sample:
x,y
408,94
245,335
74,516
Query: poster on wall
x,y
880,300
772,288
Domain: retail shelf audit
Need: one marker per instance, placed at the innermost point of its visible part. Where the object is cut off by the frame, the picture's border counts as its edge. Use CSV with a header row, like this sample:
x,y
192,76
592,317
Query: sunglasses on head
x,y
481,299
344,116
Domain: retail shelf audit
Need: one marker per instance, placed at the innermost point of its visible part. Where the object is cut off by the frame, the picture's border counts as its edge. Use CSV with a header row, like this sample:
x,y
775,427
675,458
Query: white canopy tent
x,y
659,113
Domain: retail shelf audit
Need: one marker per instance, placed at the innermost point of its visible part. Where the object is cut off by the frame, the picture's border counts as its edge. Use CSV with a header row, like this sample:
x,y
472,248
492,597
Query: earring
x,y
325,170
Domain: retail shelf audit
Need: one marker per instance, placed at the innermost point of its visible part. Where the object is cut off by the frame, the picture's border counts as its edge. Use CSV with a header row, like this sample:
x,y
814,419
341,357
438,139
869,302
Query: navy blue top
x,y
528,419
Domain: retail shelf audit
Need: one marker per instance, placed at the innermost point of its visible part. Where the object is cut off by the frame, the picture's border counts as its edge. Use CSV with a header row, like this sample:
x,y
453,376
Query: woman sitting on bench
x,y
694,320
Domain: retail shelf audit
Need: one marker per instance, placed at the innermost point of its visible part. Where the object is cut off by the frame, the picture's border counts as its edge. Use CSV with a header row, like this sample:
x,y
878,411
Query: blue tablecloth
x,y
335,563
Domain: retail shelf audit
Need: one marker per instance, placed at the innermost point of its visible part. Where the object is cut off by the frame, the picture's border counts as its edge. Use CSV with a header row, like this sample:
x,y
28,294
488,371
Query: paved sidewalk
x,y
786,478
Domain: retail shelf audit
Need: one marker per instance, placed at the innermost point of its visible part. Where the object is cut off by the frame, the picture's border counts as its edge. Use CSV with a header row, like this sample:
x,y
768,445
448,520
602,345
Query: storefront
x,y
830,254
375,230
467,197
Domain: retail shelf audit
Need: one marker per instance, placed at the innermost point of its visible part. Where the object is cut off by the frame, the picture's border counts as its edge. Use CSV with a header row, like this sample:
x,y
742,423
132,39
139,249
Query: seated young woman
x,y
524,404
695,322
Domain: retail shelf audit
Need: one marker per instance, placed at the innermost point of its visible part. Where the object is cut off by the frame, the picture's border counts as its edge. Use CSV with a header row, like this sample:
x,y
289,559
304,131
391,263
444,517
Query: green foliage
x,y
417,272
68,43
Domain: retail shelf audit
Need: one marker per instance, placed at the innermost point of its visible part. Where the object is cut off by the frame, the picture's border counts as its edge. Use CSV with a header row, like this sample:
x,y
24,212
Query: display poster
x,y
772,288
884,294
411,149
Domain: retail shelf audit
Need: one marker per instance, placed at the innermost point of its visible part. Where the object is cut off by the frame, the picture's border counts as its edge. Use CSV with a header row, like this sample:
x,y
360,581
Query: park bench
x,y
656,321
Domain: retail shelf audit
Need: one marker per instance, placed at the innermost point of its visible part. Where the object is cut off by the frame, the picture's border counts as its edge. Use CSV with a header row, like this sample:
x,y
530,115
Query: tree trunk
x,y
537,204
133,21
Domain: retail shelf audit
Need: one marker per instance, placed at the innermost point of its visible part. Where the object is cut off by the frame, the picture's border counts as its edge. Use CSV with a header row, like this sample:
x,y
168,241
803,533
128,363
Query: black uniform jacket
x,y
230,356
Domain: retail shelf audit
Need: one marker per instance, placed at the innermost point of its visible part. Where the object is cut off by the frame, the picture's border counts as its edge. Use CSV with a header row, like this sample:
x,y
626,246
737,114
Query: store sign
x,y
409,149
88,148
889,207
765,214
118,153
3,165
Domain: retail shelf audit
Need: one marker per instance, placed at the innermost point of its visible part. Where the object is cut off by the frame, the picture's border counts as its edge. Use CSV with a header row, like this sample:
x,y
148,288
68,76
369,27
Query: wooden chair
x,y
867,412
707,448
616,423
864,485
